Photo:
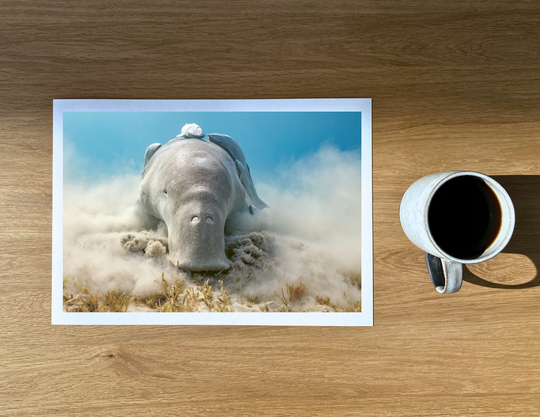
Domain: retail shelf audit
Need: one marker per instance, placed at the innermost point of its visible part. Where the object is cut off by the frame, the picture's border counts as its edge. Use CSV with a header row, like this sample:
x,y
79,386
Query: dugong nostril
x,y
194,219
209,220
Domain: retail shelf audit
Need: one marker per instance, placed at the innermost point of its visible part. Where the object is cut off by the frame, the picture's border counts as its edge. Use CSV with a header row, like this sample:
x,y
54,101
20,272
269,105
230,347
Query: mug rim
x,y
498,244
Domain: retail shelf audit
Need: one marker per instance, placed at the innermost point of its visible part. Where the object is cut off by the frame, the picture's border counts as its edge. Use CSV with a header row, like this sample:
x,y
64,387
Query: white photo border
x,y
364,318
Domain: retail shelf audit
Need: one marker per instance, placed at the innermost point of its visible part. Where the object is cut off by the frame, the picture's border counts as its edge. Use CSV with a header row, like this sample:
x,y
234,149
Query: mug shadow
x,y
524,190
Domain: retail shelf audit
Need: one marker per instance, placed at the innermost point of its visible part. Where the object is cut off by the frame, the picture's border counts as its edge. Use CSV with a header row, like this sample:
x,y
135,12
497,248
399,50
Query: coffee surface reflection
x,y
464,217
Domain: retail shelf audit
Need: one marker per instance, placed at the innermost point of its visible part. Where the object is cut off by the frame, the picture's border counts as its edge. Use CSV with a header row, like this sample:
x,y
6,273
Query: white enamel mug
x,y
446,268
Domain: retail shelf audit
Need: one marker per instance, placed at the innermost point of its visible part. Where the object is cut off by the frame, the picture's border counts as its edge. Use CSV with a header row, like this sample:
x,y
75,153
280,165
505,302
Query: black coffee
x,y
464,217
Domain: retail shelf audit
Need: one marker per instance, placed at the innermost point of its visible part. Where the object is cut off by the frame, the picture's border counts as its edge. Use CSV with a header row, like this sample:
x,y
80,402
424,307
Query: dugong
x,y
194,187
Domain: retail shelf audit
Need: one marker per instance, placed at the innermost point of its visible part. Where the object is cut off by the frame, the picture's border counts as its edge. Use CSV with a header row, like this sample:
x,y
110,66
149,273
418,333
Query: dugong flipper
x,y
247,182
150,151
235,151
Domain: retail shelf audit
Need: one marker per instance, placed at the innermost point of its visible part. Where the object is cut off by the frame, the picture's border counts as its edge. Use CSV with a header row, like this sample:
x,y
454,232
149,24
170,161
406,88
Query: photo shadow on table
x,y
524,190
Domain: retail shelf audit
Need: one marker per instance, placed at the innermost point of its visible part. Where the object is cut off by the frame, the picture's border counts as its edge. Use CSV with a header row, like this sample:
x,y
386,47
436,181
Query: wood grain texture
x,y
455,86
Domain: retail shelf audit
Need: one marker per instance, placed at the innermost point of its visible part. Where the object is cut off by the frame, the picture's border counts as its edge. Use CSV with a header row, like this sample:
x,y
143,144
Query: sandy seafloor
x,y
135,307
268,272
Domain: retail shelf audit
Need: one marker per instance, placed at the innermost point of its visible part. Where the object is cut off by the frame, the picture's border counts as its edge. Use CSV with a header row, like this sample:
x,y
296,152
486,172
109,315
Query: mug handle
x,y
446,276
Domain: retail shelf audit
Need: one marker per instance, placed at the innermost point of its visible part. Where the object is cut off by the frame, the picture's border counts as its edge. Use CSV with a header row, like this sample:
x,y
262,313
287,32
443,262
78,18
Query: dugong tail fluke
x,y
235,151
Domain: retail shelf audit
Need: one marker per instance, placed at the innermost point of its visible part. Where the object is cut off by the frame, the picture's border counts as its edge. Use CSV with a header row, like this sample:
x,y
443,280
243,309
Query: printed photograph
x,y
211,212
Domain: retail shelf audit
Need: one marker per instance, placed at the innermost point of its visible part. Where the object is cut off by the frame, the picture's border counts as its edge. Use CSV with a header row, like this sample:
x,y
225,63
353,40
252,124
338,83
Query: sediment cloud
x,y
308,241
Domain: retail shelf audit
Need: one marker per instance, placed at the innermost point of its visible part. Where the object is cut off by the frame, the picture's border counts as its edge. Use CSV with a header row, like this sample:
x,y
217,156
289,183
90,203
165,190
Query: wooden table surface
x,y
455,86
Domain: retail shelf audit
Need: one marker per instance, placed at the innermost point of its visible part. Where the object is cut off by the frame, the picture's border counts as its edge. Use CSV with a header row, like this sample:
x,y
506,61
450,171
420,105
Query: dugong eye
x,y
164,191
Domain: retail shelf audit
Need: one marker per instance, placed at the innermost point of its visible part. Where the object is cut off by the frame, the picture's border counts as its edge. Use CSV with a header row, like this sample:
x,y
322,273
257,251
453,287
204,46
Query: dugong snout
x,y
210,266
202,245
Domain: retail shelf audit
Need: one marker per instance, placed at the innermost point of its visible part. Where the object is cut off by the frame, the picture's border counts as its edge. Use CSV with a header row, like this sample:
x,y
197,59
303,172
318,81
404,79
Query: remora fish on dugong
x,y
194,187
235,151
191,131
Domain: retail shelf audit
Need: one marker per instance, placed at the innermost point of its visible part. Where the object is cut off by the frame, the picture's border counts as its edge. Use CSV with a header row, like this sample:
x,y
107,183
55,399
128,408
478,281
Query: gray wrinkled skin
x,y
193,186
